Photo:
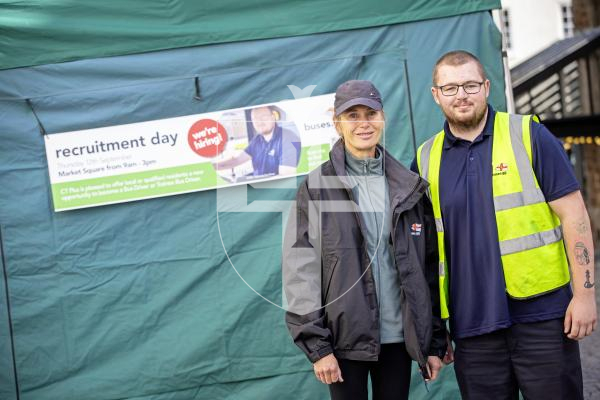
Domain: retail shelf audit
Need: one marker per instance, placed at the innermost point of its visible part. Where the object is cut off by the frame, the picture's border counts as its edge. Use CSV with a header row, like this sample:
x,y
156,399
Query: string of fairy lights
x,y
569,141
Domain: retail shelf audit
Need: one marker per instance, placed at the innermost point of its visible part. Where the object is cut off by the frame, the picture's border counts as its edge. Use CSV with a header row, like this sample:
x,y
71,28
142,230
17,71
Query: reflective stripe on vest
x,y
529,233
429,167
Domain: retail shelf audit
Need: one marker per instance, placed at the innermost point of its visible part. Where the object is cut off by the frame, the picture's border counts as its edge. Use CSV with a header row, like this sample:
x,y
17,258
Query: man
x,y
507,207
274,150
360,262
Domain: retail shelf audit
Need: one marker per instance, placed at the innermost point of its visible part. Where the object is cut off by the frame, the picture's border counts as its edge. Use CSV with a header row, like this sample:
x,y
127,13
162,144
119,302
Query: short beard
x,y
468,124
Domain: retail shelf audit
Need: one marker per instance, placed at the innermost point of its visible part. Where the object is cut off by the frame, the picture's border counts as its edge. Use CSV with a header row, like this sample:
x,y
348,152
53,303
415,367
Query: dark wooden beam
x,y
574,126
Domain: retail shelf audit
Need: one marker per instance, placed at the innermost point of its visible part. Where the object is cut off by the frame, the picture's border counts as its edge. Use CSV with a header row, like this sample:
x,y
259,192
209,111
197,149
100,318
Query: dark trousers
x,y
535,358
390,376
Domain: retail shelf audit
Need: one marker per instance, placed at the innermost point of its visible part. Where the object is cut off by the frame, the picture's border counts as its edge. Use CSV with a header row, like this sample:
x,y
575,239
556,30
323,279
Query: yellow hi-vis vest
x,y
529,233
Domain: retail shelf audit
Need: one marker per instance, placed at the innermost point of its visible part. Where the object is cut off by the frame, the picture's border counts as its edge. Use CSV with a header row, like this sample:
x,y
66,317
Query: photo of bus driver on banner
x,y
261,143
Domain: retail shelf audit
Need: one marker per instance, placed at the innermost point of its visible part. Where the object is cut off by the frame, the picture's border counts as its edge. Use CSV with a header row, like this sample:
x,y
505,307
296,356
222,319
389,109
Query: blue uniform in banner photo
x,y
283,149
477,288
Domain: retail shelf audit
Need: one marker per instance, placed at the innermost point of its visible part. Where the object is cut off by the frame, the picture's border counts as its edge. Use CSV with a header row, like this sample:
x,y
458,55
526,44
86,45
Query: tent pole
x,y
410,111
510,101
10,322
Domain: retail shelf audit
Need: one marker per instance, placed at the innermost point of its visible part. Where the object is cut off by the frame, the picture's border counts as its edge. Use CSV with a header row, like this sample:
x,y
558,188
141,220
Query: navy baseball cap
x,y
352,93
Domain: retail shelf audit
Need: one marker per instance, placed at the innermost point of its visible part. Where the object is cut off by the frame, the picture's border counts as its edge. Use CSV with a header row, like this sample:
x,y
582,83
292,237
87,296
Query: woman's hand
x,y
434,364
327,370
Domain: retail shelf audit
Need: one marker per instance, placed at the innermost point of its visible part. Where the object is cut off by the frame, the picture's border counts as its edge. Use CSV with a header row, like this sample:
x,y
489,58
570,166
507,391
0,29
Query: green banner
x,y
156,183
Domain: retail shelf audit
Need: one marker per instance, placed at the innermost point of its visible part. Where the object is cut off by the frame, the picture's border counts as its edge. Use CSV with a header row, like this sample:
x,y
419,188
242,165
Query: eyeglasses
x,y
468,87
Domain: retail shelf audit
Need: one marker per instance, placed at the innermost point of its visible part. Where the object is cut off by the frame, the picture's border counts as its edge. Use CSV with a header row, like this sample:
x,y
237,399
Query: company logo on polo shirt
x,y
415,229
271,152
501,169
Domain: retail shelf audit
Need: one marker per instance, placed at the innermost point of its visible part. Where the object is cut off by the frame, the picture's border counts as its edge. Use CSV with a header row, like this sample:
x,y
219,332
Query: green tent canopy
x,y
145,300
48,31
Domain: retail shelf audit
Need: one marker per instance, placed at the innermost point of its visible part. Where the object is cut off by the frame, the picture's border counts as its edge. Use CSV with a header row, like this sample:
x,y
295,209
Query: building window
x,y
567,20
506,22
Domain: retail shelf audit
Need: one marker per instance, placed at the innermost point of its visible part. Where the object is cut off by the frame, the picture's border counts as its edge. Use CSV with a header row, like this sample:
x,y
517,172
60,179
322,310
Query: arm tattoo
x,y
580,227
587,283
582,254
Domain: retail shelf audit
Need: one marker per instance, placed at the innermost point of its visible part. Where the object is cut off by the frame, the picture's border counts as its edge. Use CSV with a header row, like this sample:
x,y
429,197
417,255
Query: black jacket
x,y
332,304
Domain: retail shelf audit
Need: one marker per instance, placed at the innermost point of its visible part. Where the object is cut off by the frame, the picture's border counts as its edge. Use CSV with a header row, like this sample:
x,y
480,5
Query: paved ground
x,y
590,353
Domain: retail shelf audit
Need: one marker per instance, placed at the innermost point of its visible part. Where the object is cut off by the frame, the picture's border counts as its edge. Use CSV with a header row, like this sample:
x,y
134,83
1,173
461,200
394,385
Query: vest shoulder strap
x,y
424,154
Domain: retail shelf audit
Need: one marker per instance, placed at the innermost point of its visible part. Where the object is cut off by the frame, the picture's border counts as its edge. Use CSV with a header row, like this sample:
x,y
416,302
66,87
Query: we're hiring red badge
x,y
207,138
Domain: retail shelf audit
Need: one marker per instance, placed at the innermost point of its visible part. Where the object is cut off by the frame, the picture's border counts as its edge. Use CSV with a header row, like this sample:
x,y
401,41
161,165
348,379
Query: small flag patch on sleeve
x,y
415,229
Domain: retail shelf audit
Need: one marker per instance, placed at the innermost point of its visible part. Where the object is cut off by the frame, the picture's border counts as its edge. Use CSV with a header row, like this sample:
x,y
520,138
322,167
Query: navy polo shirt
x,y
479,303
283,149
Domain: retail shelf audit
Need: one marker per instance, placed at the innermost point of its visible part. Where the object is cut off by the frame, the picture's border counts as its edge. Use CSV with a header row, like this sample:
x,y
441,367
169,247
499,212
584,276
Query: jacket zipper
x,y
376,255
366,250
395,223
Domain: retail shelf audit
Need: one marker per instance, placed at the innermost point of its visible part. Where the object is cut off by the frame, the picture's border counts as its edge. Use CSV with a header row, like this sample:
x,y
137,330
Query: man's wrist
x,y
585,294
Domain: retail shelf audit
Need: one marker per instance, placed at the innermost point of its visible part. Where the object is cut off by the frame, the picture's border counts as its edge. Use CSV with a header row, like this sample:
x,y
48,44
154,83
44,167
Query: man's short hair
x,y
456,58
268,107
274,111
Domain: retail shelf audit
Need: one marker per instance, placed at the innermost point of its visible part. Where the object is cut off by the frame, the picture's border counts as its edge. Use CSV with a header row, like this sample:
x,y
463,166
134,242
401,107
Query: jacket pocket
x,y
411,339
399,235
329,264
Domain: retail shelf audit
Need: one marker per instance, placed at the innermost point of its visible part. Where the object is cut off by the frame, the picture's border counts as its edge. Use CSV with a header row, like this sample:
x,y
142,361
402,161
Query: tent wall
x,y
48,31
139,300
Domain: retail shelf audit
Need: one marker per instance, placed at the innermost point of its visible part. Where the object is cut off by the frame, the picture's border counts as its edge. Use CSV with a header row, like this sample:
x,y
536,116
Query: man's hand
x,y
327,370
434,364
581,318
232,162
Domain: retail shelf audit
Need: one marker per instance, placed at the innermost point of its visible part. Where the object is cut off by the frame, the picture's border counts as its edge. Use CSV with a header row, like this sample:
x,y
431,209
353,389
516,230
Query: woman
x,y
360,261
